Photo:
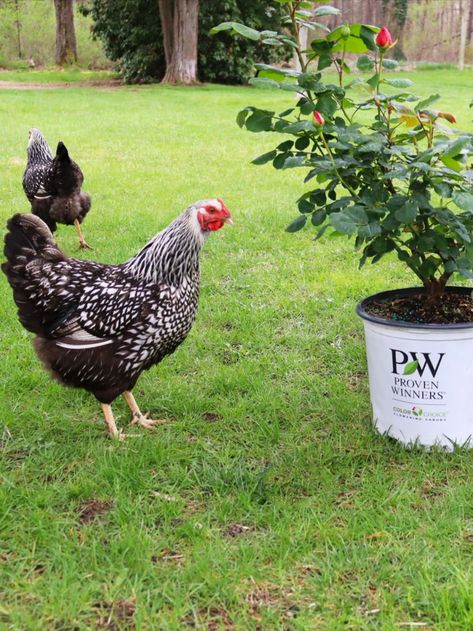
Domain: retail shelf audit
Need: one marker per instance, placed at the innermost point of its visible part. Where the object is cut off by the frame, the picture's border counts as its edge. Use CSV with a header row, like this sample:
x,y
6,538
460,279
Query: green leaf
x,y
342,223
463,200
374,80
451,163
293,161
426,102
321,11
319,197
236,27
318,217
454,148
371,230
462,231
321,46
260,120
321,232
326,105
324,62
365,63
279,160
297,224
271,41
408,213
241,116
286,145
273,72
294,128
264,82
390,64
307,107
265,157
399,83
289,87
357,213
302,143
367,35
305,206
351,45
411,367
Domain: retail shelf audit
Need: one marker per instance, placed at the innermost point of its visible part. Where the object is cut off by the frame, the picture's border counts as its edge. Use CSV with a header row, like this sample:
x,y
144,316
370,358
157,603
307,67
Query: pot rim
x,y
400,324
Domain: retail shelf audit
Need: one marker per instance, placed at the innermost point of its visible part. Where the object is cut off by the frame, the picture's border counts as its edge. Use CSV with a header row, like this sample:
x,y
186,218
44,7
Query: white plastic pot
x,y
421,377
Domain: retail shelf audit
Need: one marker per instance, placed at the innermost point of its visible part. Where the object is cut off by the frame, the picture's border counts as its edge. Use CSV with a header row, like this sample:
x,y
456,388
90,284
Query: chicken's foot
x,y
138,417
112,428
83,245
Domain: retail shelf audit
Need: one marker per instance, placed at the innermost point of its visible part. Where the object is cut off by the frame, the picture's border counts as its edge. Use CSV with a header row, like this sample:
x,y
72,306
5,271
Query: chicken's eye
x,y
211,209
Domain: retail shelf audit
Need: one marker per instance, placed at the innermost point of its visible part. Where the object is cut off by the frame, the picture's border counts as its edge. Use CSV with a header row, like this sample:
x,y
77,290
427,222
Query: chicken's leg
x,y
82,242
138,417
113,431
110,422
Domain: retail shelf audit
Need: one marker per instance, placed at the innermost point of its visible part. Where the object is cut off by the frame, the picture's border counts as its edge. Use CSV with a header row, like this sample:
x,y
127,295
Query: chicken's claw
x,y
145,421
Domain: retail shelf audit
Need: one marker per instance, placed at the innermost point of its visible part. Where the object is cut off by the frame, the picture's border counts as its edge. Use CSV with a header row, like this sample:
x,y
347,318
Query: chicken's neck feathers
x,y
39,152
172,256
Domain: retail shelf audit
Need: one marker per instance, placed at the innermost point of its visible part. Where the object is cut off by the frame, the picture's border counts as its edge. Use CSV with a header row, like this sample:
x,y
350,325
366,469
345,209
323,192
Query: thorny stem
x,y
341,180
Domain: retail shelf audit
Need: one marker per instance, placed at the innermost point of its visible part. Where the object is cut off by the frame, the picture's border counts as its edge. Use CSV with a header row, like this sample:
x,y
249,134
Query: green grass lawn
x,y
267,501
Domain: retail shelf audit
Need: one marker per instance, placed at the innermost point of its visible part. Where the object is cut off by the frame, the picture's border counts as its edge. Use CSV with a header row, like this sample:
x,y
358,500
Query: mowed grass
x,y
267,501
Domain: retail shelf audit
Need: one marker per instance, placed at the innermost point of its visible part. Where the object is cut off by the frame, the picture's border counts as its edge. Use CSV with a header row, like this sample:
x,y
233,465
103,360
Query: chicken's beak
x,y
227,218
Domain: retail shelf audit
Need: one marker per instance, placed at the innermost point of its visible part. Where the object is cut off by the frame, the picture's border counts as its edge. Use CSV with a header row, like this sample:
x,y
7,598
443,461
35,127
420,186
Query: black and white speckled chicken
x,y
53,185
99,326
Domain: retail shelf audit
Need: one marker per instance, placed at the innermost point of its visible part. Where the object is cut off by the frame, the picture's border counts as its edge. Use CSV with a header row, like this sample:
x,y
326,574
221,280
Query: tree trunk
x,y
180,27
464,23
18,28
66,47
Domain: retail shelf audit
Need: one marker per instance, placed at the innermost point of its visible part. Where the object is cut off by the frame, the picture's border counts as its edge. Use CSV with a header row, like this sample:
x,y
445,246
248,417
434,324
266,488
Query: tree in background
x,y
179,19
225,59
66,47
132,35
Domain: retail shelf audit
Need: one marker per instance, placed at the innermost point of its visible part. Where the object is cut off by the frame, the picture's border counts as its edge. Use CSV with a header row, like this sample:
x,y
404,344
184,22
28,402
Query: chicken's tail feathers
x,y
27,242
29,236
62,152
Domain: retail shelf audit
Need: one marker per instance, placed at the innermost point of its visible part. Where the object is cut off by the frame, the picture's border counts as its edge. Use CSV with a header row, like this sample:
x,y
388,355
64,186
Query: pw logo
x,y
408,363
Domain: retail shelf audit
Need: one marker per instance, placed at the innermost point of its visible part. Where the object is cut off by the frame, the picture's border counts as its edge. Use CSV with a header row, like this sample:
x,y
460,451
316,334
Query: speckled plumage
x,y
52,184
99,326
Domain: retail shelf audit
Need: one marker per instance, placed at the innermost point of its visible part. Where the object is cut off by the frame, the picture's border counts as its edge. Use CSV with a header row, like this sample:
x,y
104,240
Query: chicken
x,y
99,326
53,185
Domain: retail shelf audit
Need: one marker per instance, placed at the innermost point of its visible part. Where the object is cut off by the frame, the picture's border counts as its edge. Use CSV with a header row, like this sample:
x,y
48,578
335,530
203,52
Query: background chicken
x,y
98,326
52,185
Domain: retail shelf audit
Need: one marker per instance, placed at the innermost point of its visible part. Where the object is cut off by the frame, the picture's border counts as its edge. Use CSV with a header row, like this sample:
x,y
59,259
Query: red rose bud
x,y
383,38
319,119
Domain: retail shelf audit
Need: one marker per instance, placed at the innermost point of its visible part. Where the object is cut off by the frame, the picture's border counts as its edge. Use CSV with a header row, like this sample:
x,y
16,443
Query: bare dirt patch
x,y
116,616
92,509
98,83
236,530
168,556
212,619
211,417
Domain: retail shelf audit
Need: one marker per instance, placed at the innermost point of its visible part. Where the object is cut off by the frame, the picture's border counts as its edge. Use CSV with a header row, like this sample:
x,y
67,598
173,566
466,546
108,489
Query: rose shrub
x,y
383,165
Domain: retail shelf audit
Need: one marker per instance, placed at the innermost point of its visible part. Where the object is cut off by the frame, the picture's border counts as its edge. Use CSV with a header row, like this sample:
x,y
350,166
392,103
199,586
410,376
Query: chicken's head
x,y
212,214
